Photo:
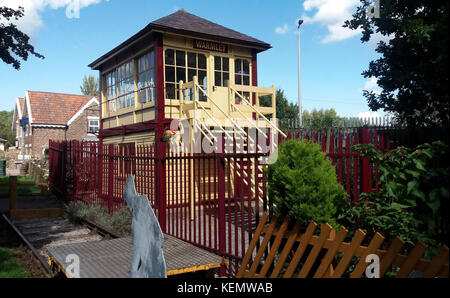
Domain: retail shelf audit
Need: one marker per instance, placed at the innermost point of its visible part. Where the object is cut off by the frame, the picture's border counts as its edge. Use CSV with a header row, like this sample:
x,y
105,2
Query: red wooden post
x,y
364,173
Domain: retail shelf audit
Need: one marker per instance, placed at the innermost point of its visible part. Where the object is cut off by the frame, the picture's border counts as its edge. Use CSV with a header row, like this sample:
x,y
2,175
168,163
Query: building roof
x,y
54,108
21,102
182,22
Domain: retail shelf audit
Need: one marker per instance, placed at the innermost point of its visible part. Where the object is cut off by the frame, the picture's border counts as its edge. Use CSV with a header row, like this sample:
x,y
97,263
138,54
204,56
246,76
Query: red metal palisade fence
x,y
213,201
204,199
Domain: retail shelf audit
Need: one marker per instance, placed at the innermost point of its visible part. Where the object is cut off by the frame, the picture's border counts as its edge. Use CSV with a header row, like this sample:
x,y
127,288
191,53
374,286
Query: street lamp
x,y
300,112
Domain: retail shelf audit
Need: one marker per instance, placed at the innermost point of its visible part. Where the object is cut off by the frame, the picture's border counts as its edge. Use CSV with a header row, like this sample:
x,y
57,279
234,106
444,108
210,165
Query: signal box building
x,y
173,67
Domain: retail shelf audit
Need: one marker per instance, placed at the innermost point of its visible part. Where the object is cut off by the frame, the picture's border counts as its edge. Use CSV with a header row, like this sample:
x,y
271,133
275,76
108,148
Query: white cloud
x,y
332,14
282,30
371,85
32,22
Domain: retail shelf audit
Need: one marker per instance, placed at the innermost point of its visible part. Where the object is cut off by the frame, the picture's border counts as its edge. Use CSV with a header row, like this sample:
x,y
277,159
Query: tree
x,y
320,118
413,67
5,127
285,109
14,43
90,86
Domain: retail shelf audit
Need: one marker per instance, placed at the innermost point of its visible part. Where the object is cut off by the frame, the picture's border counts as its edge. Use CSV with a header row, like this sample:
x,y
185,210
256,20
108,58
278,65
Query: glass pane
x,y
142,96
237,65
246,80
217,78
192,60
181,74
201,61
170,57
181,58
238,79
217,63
226,64
170,74
149,78
245,67
191,74
170,91
226,77
202,78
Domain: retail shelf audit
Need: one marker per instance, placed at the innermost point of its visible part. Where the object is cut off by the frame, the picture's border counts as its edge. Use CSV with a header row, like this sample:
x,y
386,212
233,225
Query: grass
x,y
118,222
9,268
22,190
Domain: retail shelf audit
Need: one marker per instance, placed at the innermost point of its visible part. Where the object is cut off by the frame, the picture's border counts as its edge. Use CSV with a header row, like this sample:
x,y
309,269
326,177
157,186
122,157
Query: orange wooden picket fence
x,y
271,259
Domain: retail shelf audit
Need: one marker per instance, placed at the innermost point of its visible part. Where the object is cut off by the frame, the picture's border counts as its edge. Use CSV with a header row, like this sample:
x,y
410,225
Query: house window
x,y
221,70
94,125
183,66
146,77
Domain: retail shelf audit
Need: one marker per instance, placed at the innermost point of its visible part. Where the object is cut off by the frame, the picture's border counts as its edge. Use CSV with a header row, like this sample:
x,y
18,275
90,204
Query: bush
x,y
302,183
415,184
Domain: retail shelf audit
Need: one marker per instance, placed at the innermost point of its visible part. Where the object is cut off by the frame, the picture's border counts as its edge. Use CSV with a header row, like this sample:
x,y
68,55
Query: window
x,y
221,71
146,77
242,72
120,87
94,125
183,66
111,92
125,85
242,77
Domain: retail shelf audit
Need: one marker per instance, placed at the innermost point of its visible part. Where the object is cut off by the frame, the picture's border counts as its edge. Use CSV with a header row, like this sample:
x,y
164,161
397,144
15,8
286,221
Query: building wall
x,y
78,129
35,144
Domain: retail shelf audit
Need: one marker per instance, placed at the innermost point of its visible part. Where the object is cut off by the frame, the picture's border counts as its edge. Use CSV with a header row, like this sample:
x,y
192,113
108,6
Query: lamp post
x,y
300,112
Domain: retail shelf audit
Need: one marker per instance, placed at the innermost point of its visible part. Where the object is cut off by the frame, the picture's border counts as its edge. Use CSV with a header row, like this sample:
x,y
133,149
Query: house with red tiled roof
x,y
56,116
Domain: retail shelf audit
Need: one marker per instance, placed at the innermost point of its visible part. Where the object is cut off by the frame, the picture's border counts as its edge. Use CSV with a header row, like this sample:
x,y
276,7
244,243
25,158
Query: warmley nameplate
x,y
210,46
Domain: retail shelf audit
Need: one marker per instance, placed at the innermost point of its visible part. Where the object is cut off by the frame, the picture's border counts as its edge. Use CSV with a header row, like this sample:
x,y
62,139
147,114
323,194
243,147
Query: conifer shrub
x,y
302,183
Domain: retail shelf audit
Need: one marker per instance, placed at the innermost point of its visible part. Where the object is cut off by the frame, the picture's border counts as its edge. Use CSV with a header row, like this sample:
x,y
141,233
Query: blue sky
x,y
332,58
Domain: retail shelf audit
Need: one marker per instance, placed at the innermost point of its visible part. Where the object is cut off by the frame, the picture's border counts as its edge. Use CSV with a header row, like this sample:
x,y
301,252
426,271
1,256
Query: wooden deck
x,y
112,258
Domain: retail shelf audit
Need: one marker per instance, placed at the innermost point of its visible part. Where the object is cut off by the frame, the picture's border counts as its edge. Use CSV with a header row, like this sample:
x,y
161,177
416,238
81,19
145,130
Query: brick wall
x,y
78,129
40,137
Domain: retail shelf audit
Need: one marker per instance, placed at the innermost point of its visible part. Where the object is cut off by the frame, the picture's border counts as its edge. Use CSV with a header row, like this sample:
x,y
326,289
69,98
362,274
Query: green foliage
x,y
413,66
119,221
14,43
415,183
285,109
90,86
5,127
302,183
320,118
9,268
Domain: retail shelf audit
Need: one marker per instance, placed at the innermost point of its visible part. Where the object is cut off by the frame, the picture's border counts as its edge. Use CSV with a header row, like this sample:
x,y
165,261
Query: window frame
x,y
151,91
187,68
89,125
221,70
